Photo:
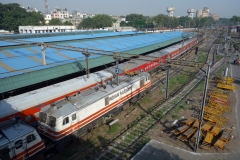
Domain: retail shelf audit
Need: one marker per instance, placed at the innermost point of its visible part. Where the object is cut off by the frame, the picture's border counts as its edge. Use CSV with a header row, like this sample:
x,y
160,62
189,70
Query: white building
x,y
45,29
31,9
47,18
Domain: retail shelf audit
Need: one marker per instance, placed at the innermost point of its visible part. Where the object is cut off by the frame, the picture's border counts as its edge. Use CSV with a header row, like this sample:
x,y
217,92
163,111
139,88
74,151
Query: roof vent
x,y
32,92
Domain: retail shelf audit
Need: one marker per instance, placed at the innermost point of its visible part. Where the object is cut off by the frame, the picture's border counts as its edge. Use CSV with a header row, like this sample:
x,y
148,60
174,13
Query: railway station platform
x,y
21,62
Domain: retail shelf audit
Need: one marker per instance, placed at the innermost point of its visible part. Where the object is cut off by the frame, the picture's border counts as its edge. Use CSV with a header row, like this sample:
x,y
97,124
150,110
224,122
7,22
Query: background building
x,y
59,13
45,29
199,13
47,18
215,17
205,12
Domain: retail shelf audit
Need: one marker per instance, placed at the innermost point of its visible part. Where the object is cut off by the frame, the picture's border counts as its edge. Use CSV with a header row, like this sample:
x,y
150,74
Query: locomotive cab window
x,y
74,116
42,117
52,121
30,138
18,144
65,120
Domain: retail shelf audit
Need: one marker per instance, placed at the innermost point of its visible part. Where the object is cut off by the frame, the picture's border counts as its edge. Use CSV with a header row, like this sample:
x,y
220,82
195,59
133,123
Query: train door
x,y
18,147
74,119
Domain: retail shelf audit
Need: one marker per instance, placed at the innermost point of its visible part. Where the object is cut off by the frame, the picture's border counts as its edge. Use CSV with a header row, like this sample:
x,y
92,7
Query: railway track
x,y
145,120
120,147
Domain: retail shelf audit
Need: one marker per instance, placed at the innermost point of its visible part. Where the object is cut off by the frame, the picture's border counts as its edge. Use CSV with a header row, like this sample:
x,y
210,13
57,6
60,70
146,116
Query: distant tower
x,y
170,11
46,7
190,12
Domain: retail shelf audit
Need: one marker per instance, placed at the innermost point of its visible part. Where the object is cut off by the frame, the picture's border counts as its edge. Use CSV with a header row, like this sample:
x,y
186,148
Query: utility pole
x,y
167,82
43,54
87,54
117,59
202,108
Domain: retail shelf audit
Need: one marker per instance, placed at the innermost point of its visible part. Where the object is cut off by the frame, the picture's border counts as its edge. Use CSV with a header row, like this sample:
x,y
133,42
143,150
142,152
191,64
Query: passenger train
x,y
28,105
19,140
69,109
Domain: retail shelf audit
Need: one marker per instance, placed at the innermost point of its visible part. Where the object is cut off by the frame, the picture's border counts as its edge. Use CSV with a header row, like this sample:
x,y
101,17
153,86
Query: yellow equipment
x,y
207,141
220,95
180,130
216,130
224,82
187,134
127,71
207,126
225,86
215,119
218,90
224,78
188,122
222,141
196,123
218,106
209,110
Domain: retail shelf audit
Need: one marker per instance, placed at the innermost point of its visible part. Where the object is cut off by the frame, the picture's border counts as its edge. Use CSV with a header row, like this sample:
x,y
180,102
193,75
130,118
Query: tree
x,y
98,21
123,24
235,19
12,16
67,23
55,21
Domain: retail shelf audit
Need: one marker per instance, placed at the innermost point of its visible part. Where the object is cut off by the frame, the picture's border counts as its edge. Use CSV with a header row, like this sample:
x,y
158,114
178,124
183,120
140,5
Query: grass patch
x,y
175,116
146,99
201,58
218,57
114,128
178,80
199,88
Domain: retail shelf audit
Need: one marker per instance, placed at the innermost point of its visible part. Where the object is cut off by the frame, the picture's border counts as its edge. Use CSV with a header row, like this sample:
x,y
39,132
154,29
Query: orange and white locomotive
x,y
75,117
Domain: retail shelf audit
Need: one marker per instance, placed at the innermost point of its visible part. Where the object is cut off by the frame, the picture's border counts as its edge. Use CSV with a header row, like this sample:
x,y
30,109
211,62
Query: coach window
x,y
74,116
18,144
30,138
65,120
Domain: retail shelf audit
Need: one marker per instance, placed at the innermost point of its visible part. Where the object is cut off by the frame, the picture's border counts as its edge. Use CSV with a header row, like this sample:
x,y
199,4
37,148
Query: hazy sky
x,y
224,8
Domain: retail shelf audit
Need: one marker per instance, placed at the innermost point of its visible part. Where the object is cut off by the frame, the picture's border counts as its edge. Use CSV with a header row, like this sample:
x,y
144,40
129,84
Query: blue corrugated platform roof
x,y
26,59
66,38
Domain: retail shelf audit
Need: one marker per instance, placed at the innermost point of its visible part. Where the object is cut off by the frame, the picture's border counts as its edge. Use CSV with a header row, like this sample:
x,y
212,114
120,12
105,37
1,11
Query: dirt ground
x,y
162,133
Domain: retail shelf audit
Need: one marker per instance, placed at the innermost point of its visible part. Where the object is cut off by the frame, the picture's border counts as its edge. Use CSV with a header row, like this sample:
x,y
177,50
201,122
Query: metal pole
x,y
117,71
167,82
202,108
88,72
43,54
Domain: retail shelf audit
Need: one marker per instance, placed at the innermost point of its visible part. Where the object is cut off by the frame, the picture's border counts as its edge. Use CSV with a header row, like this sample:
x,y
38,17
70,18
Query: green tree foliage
x,y
235,20
12,16
136,20
98,21
67,23
55,21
